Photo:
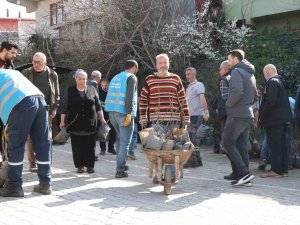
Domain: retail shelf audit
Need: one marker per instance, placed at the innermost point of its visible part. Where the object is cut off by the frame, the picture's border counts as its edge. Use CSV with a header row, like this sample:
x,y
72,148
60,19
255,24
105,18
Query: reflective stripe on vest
x,y
14,88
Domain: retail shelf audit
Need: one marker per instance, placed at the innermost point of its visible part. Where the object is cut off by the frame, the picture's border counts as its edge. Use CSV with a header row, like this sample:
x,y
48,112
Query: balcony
x,y
31,5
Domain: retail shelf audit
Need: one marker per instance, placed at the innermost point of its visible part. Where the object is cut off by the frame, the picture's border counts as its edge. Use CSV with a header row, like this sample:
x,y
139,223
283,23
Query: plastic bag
x,y
204,131
102,132
62,136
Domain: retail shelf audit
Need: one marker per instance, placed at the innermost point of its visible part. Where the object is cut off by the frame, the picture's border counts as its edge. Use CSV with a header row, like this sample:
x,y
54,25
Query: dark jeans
x,y
277,142
235,140
29,117
83,148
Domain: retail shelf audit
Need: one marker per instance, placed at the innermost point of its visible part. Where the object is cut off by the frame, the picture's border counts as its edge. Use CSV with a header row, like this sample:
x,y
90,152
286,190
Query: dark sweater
x,y
81,112
275,107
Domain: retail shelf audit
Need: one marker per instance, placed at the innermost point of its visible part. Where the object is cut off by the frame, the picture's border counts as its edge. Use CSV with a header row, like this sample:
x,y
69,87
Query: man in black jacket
x,y
275,116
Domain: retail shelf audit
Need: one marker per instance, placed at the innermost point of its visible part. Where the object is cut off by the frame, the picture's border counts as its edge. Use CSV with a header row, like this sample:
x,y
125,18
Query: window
x,y
56,13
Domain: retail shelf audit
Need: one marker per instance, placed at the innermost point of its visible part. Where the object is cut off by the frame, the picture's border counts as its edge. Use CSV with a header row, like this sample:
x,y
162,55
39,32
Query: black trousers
x,y
277,142
83,148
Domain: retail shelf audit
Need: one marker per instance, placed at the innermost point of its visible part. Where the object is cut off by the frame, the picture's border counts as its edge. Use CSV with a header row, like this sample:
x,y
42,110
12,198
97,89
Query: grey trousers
x,y
236,144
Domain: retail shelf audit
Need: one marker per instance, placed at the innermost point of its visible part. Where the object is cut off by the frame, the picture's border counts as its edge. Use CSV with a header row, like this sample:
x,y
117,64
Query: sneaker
x,y
90,170
262,164
231,176
243,180
45,190
112,151
126,168
121,174
285,174
132,157
80,170
102,153
12,192
248,184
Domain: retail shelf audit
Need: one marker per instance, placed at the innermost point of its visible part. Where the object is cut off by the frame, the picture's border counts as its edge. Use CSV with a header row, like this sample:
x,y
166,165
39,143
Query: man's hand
x,y
127,120
206,115
53,113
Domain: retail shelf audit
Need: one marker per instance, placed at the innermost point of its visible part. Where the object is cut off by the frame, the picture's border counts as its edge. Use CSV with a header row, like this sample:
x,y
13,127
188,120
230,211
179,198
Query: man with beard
x,y
163,101
8,52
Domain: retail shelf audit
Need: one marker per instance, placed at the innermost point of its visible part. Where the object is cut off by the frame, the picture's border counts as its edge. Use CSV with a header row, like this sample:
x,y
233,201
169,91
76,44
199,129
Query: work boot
x,y
43,189
12,192
112,151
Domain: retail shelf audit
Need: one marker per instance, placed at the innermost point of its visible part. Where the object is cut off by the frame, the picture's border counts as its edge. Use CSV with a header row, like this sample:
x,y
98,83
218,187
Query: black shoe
x,y
90,170
230,177
262,164
126,168
80,170
121,174
96,158
102,153
192,164
112,151
12,192
45,190
243,180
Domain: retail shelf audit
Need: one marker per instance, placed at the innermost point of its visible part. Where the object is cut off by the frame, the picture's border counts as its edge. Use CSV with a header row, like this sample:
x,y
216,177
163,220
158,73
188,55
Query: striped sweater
x,y
163,99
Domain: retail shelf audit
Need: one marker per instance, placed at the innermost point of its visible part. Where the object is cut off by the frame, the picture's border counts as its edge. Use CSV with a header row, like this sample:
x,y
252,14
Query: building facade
x,y
15,23
261,14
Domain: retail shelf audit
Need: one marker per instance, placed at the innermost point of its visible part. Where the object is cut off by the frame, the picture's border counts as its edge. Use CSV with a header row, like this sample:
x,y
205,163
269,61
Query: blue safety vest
x,y
13,88
116,94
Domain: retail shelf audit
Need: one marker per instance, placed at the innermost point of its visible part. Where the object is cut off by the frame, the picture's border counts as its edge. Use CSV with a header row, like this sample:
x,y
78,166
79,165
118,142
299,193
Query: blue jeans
x,y
29,117
124,135
265,151
235,140
133,143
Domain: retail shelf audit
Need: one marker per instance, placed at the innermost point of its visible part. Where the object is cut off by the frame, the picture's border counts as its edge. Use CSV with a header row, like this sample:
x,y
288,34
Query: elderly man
x,y
242,91
24,110
163,100
275,117
8,52
95,79
46,80
195,94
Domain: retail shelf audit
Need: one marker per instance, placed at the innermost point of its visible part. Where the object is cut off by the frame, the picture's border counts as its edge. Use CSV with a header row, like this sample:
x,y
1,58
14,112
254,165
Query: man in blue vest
x,y
121,104
24,110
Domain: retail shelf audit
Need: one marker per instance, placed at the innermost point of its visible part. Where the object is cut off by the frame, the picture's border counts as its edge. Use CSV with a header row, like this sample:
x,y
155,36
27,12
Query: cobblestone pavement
x,y
201,197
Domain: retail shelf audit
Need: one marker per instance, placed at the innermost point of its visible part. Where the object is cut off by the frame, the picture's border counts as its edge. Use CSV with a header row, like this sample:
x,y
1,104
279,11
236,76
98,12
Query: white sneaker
x,y
245,179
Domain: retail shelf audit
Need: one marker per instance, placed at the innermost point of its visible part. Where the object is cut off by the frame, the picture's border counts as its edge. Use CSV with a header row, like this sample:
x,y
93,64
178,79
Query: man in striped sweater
x,y
163,98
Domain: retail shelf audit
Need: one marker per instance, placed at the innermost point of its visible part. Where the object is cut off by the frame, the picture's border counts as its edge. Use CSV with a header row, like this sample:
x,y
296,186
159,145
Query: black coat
x,y
82,112
275,107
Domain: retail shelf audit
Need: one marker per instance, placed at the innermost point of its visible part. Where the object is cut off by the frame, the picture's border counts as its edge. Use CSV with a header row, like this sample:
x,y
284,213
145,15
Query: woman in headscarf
x,y
82,107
